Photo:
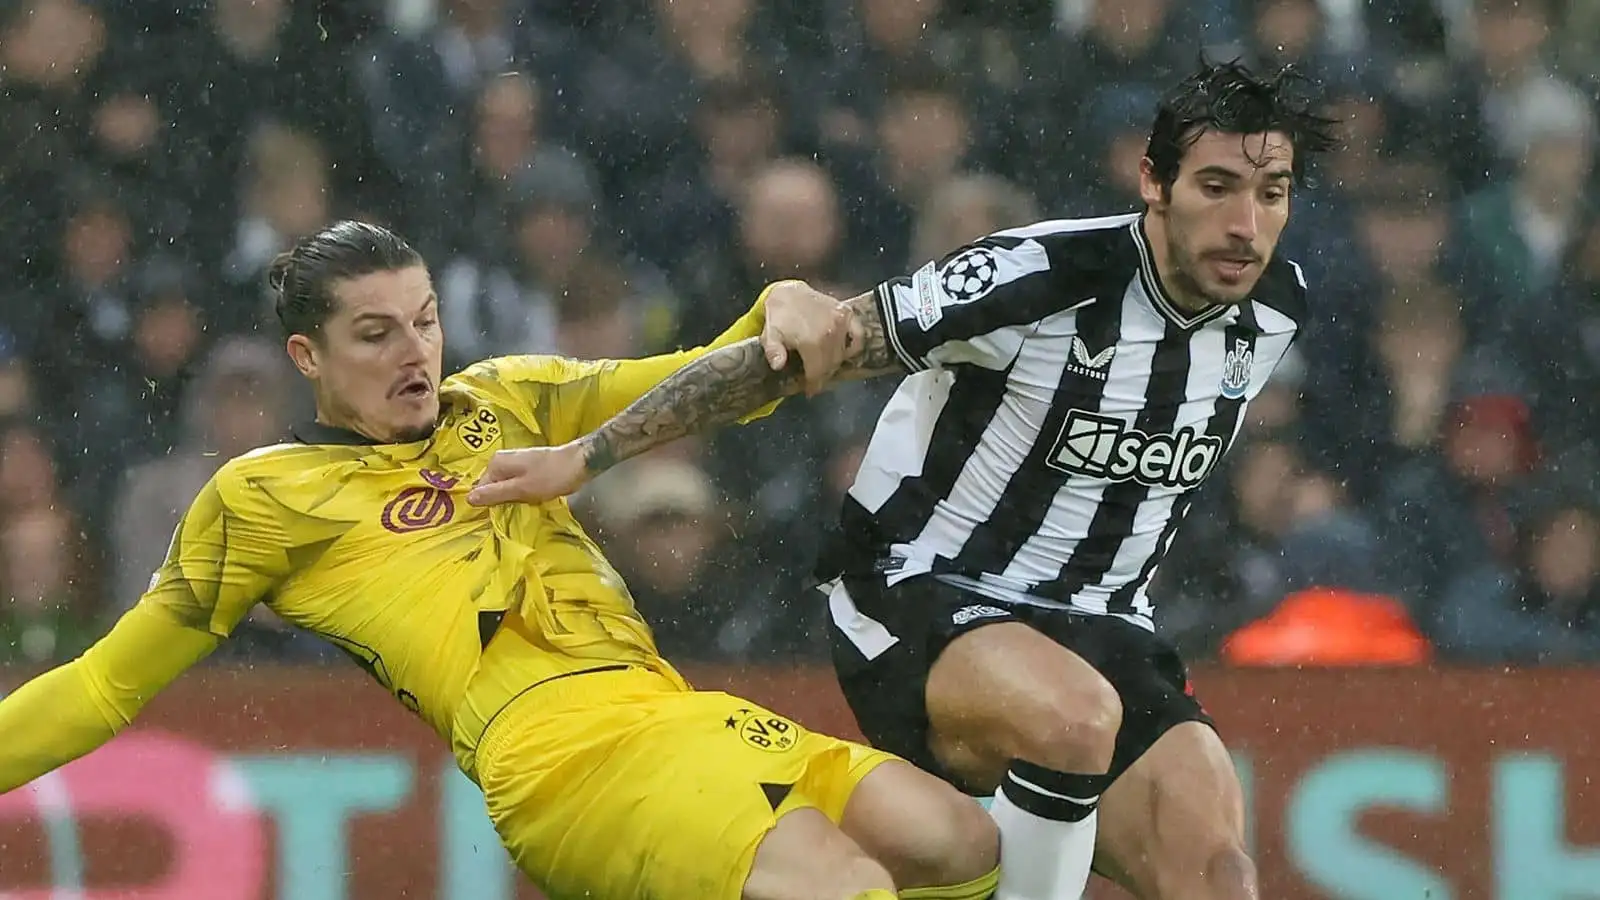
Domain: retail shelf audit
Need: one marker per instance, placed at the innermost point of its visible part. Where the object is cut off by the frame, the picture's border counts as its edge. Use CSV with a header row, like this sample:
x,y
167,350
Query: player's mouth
x,y
1232,268
415,387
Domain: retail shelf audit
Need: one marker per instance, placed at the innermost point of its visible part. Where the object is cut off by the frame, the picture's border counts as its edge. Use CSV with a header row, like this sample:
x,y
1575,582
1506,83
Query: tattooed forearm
x,y
723,386
868,352
715,389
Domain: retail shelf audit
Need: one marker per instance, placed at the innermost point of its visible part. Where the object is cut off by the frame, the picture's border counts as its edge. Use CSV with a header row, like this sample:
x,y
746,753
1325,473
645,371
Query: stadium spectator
x,y
46,596
922,135
739,127
1273,532
1448,511
284,195
663,517
236,403
1517,231
964,208
1543,605
555,271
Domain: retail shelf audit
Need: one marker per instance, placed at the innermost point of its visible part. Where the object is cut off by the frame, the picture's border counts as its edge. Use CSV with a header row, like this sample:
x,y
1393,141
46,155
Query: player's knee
x,y
962,844
1231,873
850,876
805,856
1072,729
1222,872
975,843
844,876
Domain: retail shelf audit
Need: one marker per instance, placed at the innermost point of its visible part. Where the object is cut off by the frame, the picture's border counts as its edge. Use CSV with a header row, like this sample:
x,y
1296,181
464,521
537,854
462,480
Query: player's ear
x,y
303,353
1151,190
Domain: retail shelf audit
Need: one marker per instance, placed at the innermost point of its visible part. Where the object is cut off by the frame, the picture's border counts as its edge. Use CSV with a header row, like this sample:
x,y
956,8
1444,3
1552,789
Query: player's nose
x,y
1241,219
415,347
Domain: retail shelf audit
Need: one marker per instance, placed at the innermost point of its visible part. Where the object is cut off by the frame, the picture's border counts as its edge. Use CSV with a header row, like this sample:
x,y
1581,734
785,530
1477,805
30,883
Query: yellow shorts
x,y
622,785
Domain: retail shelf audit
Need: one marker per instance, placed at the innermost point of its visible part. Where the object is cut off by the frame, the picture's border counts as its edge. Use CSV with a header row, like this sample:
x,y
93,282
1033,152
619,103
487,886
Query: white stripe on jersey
x,y
1007,439
900,442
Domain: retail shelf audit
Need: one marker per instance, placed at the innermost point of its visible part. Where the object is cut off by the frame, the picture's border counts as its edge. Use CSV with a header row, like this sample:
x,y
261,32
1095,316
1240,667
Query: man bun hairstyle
x,y
302,277
1231,99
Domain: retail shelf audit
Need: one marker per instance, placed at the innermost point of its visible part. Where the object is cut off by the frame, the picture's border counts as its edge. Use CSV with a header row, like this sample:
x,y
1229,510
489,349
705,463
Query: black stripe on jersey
x,y
1224,419
975,397
1119,503
1031,489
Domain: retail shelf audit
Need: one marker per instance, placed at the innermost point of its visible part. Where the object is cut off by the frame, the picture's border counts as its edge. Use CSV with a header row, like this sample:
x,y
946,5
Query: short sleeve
x,y
229,552
974,306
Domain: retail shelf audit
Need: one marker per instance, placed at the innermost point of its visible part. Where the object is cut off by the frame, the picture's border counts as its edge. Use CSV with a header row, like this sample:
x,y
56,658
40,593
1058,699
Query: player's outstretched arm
x,y
714,390
570,398
69,711
228,552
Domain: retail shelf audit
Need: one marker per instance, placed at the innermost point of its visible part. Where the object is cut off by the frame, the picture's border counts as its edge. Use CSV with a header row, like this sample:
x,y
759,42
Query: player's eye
x,y
1214,189
373,337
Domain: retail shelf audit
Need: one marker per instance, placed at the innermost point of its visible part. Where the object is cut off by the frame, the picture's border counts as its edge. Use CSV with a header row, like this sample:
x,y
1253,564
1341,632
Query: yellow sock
x,y
981,888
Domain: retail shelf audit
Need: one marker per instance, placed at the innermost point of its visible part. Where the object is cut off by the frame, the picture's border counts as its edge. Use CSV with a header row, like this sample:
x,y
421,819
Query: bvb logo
x,y
763,730
480,431
416,508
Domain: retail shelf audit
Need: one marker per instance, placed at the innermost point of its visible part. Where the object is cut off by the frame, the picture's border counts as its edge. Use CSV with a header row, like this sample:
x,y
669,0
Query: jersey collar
x,y
314,432
1158,294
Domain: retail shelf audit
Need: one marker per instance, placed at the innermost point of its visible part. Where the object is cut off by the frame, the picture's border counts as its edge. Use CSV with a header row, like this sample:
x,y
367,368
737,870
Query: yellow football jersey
x,y
452,608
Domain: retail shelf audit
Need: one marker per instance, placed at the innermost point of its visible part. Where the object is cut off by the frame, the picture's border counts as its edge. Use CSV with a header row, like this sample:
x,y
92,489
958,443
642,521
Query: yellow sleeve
x,y
228,553
568,398
69,711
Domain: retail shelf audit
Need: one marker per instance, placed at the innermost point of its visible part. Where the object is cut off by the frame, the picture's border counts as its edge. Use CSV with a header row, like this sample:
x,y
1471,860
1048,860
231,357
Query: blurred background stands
x,y
617,179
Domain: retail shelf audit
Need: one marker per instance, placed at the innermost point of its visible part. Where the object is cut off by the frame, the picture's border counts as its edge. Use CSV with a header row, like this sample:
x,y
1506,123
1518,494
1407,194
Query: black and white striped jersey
x,y
1061,414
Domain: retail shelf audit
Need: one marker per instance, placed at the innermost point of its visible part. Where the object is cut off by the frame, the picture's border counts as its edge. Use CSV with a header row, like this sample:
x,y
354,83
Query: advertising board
x,y
313,785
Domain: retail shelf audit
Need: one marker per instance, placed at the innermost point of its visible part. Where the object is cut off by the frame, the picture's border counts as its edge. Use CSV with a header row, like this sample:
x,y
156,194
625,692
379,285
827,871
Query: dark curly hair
x,y
302,277
1231,99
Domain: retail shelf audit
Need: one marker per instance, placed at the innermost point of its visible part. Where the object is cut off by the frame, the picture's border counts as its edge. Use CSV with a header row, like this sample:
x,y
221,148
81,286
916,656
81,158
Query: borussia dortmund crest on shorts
x,y
763,730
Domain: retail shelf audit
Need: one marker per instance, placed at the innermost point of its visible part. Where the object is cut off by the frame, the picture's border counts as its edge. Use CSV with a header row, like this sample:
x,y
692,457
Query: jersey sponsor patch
x,y
1105,447
763,730
968,614
924,284
420,507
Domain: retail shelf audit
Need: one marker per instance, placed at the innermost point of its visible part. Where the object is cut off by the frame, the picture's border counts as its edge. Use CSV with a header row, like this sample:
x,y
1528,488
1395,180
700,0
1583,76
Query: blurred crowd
x,y
620,178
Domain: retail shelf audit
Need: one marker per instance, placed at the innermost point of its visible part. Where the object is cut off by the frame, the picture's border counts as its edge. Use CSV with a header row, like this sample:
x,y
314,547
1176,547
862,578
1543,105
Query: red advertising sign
x,y
314,785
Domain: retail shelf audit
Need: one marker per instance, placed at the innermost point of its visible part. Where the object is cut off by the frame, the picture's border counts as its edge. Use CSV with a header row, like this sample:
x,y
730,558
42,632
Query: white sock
x,y
1046,832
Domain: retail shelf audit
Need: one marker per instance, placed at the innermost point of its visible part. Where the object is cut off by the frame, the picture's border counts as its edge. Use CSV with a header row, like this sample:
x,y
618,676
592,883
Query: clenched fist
x,y
804,320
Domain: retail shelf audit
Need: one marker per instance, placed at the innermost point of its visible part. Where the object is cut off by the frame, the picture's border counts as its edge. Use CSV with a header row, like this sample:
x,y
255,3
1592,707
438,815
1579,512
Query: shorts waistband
x,y
556,691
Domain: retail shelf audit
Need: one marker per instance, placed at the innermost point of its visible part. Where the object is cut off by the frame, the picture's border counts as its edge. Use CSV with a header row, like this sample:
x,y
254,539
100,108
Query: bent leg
x,y
1011,707
1006,691
1172,826
620,788
925,832
807,857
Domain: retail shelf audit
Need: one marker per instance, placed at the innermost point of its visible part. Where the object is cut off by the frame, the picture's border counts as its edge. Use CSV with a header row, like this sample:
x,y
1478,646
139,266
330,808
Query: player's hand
x,y
530,475
804,320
